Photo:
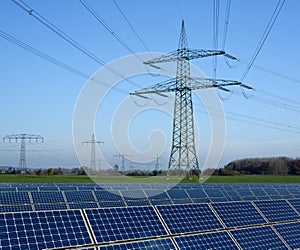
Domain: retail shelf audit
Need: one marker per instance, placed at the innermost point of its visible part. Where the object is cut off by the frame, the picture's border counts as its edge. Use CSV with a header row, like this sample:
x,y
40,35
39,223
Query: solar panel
x,y
47,197
15,208
290,233
219,199
124,223
83,205
156,194
79,196
296,204
138,203
104,195
201,200
14,198
236,214
50,206
159,244
112,203
196,193
133,194
213,192
189,218
182,201
41,230
258,238
218,240
277,210
177,194
161,202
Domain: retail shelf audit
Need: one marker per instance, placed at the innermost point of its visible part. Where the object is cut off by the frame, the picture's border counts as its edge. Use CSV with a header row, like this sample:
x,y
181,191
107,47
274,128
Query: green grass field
x,y
120,179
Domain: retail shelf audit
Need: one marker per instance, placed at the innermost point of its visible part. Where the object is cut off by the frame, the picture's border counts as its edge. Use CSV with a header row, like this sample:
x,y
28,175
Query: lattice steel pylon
x,y
183,155
23,138
93,143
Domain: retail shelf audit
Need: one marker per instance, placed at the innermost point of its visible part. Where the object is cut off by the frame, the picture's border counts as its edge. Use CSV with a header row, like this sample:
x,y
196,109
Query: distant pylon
x,y
183,155
123,158
23,138
93,143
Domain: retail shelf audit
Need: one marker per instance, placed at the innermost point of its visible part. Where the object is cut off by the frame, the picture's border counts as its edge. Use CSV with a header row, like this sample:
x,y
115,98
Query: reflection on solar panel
x,y
290,233
133,194
41,230
235,214
156,194
159,244
189,218
277,210
115,224
218,240
258,238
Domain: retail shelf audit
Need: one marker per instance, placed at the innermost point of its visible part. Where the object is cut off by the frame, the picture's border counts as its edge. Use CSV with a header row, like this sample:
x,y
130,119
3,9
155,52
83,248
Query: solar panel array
x,y
149,216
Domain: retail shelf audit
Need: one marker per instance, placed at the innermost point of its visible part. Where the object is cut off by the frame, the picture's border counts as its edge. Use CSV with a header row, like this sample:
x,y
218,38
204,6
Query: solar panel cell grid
x,y
277,210
189,218
115,224
41,230
104,195
177,194
50,206
219,240
79,196
47,197
15,208
290,233
236,214
258,238
14,198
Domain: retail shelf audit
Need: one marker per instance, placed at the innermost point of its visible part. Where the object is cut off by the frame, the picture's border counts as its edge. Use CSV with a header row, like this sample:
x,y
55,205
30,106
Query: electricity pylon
x,y
23,138
93,143
183,155
123,158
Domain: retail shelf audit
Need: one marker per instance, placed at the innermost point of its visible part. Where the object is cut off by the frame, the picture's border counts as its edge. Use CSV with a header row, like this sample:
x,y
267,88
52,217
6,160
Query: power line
x,y
264,36
53,60
131,26
106,26
67,38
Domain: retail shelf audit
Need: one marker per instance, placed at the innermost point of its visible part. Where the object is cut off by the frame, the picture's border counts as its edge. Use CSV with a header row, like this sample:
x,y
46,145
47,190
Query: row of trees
x,y
271,166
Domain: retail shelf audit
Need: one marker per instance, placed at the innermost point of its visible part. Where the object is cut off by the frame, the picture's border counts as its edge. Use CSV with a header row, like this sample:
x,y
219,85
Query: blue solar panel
x,y
83,205
189,218
177,194
138,203
161,202
201,200
14,198
236,214
15,208
290,233
296,204
79,196
156,194
218,240
196,193
183,201
244,192
41,230
50,206
133,194
47,197
218,199
258,238
104,195
124,223
159,244
213,192
112,203
277,210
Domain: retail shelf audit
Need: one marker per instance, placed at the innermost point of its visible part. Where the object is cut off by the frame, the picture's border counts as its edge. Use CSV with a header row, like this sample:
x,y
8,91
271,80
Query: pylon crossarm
x,y
165,86
187,54
205,83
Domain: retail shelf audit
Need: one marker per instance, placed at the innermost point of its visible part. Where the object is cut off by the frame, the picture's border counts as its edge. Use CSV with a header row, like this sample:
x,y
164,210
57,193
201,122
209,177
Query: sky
x,y
39,97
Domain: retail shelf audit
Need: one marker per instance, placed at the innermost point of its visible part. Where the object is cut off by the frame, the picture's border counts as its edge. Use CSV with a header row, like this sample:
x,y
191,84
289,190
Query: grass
x,y
141,179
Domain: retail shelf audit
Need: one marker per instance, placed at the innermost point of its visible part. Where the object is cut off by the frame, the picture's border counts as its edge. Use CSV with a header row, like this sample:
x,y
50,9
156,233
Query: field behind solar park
x,y
113,179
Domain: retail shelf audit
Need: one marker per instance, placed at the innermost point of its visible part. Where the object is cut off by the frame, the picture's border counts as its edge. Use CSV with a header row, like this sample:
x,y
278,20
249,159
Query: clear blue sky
x,y
38,97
